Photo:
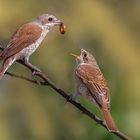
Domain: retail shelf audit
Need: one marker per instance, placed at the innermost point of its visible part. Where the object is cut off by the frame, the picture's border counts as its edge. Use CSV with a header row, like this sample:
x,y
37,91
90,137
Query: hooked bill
x,y
62,28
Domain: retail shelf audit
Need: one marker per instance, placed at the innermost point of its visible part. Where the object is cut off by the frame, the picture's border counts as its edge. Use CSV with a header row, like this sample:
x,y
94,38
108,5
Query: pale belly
x,y
84,91
28,51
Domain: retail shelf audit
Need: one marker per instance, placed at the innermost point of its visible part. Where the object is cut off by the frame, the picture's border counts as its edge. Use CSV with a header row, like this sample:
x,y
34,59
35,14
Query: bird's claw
x,y
35,71
71,97
38,82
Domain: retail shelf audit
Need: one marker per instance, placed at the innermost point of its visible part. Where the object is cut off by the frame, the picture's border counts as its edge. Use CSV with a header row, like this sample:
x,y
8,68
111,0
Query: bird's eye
x,y
50,19
85,55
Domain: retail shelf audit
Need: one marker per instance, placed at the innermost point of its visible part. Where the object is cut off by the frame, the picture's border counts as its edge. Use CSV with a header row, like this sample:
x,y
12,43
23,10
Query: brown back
x,y
22,38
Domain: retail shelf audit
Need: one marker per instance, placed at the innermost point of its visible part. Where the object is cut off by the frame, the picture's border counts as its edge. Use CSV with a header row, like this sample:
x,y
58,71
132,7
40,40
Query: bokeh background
x,y
110,29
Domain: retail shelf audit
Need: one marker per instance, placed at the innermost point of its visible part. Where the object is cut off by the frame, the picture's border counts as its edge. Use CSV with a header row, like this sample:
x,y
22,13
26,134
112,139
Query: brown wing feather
x,y
22,38
94,80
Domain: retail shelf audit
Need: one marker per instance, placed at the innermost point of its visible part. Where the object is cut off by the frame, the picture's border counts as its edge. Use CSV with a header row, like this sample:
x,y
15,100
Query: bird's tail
x,y
6,64
1,55
109,120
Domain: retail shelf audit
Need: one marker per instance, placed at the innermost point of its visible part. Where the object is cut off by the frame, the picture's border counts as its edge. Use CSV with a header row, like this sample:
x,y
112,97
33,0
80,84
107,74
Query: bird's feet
x,y
35,71
74,96
71,97
33,68
38,73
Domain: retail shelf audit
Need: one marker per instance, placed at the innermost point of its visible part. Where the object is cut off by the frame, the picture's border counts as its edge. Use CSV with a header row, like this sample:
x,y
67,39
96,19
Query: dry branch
x,y
47,82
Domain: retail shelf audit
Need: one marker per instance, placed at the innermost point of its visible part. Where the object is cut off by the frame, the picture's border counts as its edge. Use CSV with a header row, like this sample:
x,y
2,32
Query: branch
x,y
47,82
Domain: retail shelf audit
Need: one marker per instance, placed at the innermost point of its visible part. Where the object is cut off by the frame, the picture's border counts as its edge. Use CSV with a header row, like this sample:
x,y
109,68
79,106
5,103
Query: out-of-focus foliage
x,y
110,29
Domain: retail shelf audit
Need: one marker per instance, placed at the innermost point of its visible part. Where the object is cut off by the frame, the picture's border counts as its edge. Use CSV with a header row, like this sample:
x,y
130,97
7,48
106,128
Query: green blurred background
x,y
110,29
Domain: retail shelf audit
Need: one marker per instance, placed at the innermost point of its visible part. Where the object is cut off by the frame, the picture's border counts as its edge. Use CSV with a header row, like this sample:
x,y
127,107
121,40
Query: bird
x,y
91,84
26,40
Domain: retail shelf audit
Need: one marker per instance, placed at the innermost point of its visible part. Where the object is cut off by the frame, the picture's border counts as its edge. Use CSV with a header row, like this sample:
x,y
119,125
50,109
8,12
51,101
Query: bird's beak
x,y
58,22
74,55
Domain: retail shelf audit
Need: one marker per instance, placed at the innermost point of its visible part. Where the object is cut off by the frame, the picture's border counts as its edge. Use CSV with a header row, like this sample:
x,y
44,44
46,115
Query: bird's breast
x,y
26,52
84,91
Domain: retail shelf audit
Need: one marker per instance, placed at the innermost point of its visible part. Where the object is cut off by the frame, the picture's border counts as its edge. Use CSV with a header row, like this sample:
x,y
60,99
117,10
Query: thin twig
x,y
47,82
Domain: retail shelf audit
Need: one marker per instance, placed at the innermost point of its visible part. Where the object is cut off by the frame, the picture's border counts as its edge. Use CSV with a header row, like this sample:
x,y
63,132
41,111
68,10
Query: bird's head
x,y
49,21
85,57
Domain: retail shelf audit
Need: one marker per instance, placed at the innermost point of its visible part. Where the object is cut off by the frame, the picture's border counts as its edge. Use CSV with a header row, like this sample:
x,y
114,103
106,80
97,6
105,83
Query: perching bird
x,y
91,84
26,40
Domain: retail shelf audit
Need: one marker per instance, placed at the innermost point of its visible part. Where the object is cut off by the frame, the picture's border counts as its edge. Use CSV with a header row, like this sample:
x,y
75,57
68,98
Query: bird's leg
x,y
74,96
33,68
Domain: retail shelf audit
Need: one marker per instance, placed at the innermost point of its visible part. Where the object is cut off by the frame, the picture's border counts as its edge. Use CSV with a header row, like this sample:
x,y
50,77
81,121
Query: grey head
x,y
85,58
48,20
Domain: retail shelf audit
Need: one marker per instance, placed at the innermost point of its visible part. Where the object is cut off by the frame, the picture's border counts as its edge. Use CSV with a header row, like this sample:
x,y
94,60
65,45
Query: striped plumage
x,y
92,85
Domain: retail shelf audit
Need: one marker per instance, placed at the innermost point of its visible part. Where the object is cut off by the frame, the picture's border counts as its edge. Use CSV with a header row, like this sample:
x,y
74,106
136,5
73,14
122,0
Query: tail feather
x,y
6,64
1,55
1,73
109,120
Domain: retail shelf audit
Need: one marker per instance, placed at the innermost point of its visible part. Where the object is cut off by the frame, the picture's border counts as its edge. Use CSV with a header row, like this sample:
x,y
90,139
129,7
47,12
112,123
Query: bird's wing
x,y
22,38
94,80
